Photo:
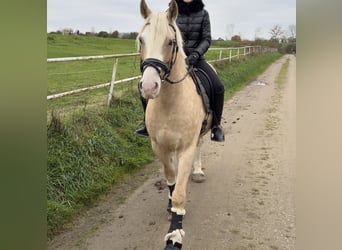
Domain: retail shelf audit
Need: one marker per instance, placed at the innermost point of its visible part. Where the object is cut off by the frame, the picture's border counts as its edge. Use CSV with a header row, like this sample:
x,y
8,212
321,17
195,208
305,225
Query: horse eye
x,y
141,41
170,42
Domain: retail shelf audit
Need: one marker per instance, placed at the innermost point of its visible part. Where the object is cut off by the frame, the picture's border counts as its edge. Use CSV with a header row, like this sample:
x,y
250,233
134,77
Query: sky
x,y
246,18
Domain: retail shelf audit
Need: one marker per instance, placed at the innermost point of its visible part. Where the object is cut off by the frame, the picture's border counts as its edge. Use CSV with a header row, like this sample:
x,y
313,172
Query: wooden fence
x,y
232,53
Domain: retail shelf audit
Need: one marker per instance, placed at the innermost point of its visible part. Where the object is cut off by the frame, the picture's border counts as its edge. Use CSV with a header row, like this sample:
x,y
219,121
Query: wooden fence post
x,y
110,95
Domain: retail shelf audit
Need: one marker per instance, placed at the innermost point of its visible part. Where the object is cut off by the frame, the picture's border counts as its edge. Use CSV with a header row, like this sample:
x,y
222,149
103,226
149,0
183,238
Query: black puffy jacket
x,y
194,24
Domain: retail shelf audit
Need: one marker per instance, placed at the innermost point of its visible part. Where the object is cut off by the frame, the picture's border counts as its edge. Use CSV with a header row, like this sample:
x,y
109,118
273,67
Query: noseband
x,y
160,66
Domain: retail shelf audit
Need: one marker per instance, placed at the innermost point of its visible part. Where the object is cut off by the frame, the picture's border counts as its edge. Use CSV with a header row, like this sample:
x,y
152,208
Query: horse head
x,y
158,41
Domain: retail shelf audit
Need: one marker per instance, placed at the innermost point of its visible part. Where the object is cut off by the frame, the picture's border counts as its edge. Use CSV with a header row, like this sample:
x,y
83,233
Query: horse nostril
x,y
155,85
140,85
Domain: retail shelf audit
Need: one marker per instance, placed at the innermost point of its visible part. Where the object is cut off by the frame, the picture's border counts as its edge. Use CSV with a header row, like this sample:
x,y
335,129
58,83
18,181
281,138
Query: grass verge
x,y
88,152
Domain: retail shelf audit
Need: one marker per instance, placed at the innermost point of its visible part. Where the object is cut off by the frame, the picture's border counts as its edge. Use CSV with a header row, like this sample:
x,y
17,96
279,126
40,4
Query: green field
x,y
67,76
67,46
63,76
92,146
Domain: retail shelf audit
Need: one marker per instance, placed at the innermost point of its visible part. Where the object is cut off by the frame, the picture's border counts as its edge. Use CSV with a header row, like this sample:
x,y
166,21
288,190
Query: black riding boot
x,y
217,133
143,130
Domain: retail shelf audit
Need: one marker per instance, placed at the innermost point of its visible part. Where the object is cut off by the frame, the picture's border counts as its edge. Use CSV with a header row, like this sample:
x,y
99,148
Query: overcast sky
x,y
246,18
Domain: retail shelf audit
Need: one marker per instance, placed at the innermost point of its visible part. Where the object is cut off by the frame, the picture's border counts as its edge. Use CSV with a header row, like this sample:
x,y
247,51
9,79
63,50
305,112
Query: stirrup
x,y
141,131
217,134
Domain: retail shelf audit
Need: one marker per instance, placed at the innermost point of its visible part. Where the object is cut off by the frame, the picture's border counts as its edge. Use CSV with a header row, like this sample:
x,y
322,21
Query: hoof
x,y
174,239
198,178
171,247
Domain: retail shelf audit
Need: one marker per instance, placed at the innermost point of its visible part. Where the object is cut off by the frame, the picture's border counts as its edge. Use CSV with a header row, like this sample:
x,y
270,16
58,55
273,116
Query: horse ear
x,y
172,12
144,9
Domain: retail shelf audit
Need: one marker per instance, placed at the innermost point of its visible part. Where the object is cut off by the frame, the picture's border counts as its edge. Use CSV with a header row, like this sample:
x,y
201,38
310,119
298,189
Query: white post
x,y
238,55
110,96
220,57
230,55
244,51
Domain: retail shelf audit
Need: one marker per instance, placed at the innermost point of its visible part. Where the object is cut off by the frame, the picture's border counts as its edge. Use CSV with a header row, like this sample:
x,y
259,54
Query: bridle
x,y
160,66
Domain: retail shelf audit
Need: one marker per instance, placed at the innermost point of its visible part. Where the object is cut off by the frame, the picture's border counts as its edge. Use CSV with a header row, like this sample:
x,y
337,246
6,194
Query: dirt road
x,y
247,201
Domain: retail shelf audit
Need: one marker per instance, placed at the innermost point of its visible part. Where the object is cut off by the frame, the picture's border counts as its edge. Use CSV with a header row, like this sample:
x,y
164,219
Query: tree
x,y
292,29
236,38
131,35
115,34
103,34
276,32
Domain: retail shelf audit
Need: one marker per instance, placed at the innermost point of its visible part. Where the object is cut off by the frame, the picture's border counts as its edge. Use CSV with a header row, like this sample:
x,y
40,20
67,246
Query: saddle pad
x,y
204,87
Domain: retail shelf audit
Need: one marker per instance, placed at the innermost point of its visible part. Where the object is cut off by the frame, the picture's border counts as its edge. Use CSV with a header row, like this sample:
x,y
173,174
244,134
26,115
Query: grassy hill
x,y
66,46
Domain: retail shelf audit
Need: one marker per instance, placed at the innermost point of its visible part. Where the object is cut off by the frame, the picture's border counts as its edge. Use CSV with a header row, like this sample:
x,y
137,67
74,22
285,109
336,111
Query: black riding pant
x,y
217,106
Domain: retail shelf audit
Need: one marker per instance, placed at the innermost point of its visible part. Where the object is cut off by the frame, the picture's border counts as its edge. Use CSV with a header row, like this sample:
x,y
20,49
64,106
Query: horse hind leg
x,y
198,174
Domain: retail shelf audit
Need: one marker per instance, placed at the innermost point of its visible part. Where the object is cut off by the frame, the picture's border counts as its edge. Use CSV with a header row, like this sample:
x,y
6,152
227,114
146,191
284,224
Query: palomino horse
x,y
175,110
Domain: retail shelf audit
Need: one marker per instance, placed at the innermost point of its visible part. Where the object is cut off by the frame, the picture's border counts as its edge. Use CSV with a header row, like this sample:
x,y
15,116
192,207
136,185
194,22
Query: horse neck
x,y
178,72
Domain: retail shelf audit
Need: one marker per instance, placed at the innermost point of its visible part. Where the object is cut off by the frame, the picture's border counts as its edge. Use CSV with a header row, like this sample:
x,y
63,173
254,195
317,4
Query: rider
x,y
194,24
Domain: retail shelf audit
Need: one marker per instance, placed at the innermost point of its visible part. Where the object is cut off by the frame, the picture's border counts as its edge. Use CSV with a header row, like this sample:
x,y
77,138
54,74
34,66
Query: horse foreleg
x,y
169,163
198,174
169,205
176,233
170,175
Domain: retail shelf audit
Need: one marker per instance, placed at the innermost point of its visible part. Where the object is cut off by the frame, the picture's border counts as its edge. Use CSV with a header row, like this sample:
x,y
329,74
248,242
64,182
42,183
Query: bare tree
x,y
292,29
257,33
276,32
230,30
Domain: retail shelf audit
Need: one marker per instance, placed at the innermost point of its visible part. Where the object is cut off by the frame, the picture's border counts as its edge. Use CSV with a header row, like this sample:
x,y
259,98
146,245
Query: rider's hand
x,y
192,59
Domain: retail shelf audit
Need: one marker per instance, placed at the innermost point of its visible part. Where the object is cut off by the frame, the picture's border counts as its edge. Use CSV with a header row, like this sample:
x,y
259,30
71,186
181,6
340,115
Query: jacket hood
x,y
187,8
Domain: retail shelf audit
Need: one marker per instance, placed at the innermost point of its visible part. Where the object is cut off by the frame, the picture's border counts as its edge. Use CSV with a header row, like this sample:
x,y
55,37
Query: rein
x,y
159,65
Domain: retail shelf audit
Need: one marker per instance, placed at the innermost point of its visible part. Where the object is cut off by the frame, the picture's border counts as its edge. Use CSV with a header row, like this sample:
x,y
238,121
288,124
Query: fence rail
x,y
247,50
82,58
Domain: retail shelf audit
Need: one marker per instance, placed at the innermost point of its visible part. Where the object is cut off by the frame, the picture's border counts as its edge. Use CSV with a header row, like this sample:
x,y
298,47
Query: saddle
x,y
205,89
